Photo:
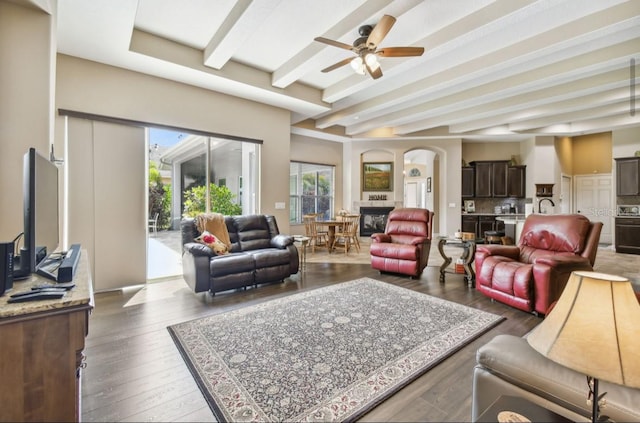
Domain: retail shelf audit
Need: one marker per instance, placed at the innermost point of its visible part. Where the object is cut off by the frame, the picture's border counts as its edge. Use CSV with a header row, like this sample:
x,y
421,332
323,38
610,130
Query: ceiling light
x,y
372,61
358,65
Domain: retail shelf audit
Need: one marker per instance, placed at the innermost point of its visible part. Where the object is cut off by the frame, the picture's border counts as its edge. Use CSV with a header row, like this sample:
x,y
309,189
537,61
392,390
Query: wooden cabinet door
x,y
628,176
484,173
468,182
628,235
516,177
499,178
470,224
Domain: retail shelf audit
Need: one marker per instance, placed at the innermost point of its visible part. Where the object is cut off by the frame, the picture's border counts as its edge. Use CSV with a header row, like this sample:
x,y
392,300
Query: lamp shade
x,y
594,329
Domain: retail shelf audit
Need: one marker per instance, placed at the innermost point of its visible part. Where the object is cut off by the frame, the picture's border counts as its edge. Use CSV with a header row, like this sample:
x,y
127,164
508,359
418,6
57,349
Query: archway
x,y
420,174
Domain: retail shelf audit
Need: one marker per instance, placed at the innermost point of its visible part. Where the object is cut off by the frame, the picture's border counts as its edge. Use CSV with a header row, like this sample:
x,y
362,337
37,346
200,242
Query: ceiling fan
x,y
366,48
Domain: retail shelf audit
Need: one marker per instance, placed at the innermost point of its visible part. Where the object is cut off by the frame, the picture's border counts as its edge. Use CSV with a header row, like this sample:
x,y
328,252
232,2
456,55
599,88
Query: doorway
x,y
163,242
419,173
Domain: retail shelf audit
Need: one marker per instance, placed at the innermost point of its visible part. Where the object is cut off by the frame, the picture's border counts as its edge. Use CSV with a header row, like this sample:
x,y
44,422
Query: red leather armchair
x,y
533,274
404,246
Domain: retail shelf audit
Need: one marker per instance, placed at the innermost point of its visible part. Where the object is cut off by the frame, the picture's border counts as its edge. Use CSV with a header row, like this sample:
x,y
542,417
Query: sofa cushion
x,y
512,359
560,233
253,232
269,257
394,251
231,263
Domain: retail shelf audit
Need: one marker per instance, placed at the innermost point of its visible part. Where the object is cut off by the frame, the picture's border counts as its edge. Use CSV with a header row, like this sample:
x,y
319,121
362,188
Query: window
x,y
198,159
310,190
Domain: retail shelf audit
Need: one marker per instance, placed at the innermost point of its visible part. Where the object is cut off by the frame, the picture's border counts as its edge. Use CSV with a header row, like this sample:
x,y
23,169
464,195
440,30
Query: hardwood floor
x,y
135,373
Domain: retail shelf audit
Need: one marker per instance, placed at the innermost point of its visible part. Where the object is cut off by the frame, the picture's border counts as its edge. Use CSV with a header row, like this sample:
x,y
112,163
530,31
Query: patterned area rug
x,y
330,354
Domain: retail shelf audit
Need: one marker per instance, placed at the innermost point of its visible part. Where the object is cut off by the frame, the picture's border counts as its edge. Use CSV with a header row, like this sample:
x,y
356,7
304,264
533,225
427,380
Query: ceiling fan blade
x,y
375,74
380,30
400,51
337,65
334,43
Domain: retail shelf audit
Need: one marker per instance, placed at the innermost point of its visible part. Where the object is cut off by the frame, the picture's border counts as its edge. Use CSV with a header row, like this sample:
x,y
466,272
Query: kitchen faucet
x,y
540,204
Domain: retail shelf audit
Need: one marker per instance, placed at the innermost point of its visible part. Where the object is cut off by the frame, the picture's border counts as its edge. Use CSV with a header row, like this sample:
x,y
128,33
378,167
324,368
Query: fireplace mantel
x,y
358,204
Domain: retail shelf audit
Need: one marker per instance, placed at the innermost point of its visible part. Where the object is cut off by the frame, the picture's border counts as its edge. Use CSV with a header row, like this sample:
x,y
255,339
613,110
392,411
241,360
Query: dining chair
x,y
347,234
153,223
318,238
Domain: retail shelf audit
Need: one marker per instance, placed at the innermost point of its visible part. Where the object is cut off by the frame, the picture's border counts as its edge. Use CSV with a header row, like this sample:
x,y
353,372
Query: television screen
x,y
40,212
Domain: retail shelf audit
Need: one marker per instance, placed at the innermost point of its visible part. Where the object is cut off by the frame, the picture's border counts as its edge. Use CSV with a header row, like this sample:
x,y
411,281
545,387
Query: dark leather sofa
x,y
259,254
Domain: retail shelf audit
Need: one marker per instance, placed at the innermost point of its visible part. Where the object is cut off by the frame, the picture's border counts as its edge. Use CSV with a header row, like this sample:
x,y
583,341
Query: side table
x,y
513,409
468,252
304,241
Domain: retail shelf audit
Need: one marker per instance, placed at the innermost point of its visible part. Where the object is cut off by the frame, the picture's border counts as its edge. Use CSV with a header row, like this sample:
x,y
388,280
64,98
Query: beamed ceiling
x,y
501,70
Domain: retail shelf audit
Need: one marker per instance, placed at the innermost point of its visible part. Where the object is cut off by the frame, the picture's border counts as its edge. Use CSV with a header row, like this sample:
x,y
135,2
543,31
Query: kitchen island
x,y
513,225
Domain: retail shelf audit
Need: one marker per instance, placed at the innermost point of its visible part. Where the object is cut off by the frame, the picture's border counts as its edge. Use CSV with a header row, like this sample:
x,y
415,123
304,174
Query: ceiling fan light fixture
x,y
372,61
358,65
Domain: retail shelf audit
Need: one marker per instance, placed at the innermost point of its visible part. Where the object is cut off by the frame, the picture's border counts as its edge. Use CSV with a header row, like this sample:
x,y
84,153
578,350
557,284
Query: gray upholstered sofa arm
x,y
507,365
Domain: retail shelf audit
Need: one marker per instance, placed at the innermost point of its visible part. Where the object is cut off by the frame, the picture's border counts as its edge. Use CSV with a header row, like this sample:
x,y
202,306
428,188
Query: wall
x,y
625,142
564,152
592,154
446,181
491,151
27,61
105,90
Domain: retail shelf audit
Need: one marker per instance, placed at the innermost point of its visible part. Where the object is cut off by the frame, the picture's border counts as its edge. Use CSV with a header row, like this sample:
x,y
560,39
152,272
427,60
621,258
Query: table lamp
x,y
593,329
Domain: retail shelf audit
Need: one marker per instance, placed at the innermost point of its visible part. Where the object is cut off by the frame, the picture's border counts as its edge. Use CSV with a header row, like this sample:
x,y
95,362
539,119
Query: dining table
x,y
331,225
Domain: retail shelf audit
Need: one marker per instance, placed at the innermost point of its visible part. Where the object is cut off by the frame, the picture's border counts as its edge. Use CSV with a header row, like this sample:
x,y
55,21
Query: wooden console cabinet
x,y
41,344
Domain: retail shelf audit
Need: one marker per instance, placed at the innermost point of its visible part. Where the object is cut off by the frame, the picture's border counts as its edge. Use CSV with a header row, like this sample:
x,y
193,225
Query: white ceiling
x,y
502,70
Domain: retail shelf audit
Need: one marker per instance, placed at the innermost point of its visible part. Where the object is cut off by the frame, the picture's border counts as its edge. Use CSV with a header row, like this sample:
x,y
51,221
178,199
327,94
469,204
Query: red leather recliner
x,y
533,274
405,244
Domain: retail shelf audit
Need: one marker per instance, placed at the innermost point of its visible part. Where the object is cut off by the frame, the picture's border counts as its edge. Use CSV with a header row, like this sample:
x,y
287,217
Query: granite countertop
x,y
81,294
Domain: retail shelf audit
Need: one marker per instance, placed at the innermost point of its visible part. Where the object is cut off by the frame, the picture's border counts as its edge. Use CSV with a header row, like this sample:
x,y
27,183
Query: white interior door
x,y
594,194
411,194
565,195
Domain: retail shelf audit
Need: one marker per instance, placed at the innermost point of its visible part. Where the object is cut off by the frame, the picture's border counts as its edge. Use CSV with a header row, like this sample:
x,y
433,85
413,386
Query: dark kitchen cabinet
x,y
468,181
516,178
483,179
500,178
470,224
491,178
628,176
480,224
628,235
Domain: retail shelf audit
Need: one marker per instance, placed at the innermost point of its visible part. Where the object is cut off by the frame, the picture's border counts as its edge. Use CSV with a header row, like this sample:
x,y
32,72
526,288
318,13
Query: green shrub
x,y
221,201
159,197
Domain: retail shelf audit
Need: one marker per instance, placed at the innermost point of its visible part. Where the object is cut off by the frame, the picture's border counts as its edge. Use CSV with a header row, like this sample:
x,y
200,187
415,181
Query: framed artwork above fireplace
x,y
377,176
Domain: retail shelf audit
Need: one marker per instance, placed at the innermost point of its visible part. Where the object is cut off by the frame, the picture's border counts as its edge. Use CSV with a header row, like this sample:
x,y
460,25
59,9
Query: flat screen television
x,y
40,202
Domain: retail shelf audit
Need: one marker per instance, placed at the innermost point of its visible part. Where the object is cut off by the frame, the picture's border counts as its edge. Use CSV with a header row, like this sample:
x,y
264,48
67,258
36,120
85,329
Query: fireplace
x,y
373,219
